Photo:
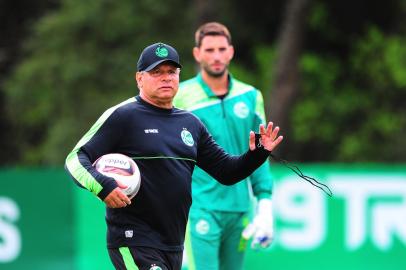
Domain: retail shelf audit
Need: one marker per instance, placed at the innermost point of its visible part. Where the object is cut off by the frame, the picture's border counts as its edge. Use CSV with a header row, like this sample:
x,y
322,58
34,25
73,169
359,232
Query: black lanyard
x,y
295,169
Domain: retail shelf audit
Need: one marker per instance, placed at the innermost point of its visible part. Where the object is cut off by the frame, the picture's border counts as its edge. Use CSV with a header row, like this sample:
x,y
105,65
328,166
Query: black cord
x,y
309,179
295,168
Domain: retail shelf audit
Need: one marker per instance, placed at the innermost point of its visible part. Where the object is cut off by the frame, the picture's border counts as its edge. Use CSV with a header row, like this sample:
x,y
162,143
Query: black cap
x,y
156,54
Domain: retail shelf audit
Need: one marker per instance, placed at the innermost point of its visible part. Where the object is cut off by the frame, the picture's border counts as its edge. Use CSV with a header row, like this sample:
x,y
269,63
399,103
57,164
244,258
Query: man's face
x,y
159,84
214,55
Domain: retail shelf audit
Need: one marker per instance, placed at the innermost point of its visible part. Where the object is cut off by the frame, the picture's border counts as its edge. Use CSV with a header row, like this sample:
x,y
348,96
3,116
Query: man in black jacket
x,y
166,143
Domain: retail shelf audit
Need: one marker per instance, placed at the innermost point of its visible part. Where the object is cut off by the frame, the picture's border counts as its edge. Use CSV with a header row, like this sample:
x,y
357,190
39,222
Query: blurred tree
x,y
205,10
352,107
81,60
350,70
286,81
15,19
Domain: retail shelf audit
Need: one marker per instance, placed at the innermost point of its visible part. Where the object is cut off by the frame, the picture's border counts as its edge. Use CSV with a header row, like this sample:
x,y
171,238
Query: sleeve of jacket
x,y
261,179
225,168
99,140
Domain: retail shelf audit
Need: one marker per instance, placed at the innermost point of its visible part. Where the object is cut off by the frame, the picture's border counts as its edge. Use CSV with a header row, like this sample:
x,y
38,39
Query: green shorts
x,y
213,240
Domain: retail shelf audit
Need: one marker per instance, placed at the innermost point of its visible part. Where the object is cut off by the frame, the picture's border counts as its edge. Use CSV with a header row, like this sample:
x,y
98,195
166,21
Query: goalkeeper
x,y
219,224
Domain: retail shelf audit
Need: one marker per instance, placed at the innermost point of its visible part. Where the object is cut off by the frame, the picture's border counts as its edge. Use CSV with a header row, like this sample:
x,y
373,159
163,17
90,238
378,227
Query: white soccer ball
x,y
123,169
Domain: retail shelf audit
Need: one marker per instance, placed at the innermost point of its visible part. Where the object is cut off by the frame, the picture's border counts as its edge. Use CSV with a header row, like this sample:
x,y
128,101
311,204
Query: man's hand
x,y
261,229
116,198
269,137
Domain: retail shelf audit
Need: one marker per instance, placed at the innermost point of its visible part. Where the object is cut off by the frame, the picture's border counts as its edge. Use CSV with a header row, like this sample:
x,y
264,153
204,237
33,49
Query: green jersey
x,y
229,120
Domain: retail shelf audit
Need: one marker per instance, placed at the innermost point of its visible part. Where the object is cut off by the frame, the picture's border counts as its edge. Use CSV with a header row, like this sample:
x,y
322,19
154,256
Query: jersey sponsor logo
x,y
155,267
202,227
129,233
241,109
151,130
187,137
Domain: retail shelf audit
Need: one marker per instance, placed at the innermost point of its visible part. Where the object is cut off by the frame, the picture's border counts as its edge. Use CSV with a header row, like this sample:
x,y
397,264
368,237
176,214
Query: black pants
x,y
145,258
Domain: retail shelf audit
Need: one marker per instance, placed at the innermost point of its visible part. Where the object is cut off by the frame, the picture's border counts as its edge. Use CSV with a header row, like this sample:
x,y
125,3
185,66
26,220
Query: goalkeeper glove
x,y
261,229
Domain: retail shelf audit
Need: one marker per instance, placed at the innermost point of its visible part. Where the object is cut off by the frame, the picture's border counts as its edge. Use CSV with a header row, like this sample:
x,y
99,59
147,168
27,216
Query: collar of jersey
x,y
153,107
207,89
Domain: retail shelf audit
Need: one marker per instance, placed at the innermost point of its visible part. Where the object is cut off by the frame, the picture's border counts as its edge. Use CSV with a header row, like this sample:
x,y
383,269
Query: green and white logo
x,y
161,51
187,137
202,226
241,109
154,267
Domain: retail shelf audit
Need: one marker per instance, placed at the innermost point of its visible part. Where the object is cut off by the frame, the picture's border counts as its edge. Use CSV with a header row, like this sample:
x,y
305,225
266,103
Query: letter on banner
x,y
10,246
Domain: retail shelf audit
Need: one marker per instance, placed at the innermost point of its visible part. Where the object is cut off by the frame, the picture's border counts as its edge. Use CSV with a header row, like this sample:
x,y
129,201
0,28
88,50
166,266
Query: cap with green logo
x,y
155,54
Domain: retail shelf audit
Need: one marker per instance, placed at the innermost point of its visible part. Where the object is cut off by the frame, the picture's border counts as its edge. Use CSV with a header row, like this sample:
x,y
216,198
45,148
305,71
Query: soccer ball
x,y
123,169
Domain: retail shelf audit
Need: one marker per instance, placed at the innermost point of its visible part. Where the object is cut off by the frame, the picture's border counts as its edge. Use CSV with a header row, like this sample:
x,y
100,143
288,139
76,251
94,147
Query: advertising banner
x,y
46,222
36,220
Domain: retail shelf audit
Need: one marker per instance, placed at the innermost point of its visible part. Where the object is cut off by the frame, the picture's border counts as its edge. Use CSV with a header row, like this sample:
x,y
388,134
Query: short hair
x,y
211,29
